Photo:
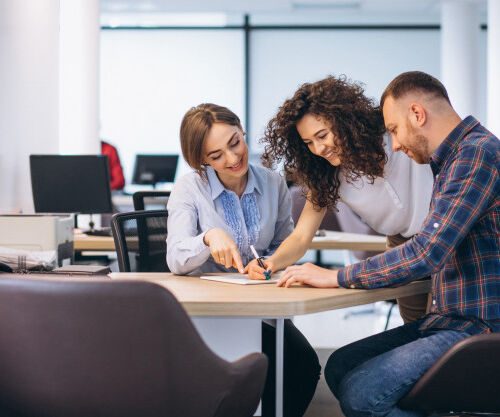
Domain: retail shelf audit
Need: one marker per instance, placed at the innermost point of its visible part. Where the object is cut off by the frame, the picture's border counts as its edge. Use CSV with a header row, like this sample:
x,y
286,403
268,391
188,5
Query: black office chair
x,y
160,198
113,349
140,240
464,381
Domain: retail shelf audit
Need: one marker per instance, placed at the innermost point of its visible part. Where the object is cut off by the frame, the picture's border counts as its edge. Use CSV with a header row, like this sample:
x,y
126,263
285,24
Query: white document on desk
x,y
242,279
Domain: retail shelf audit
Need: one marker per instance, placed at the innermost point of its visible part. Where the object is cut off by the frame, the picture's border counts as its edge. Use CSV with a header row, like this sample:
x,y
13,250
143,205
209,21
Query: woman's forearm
x,y
296,244
290,251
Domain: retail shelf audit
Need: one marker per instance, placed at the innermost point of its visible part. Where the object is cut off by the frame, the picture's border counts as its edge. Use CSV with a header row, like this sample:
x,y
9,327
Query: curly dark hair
x,y
355,120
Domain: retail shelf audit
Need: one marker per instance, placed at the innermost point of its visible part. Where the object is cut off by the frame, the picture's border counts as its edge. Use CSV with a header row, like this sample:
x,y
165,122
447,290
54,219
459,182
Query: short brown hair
x,y
411,81
195,126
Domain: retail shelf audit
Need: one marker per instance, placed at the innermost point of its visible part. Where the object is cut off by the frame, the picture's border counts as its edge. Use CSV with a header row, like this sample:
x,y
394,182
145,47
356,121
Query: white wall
x,y
150,78
29,89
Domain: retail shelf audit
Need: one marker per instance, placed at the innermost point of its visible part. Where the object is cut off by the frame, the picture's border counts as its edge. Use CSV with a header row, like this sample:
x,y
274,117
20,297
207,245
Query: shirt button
x,y
436,225
351,286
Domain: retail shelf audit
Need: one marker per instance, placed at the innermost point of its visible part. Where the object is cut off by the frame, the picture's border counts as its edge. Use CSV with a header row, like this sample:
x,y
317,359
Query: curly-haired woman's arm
x,y
295,245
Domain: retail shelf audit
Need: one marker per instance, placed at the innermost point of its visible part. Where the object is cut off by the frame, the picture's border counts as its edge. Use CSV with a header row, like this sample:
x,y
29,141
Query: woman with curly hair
x,y
332,140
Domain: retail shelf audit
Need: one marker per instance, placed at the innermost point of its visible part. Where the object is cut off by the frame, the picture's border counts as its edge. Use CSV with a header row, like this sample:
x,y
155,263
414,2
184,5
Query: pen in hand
x,y
267,274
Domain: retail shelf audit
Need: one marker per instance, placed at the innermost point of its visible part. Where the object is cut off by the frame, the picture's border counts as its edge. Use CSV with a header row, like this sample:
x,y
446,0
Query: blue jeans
x,y
370,376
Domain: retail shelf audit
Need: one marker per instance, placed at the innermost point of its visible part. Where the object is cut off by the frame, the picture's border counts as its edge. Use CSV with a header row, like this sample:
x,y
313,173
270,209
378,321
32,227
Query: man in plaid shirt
x,y
459,246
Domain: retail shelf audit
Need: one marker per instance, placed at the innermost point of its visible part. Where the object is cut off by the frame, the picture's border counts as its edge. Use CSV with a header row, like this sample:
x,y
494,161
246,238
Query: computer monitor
x,y
151,169
70,184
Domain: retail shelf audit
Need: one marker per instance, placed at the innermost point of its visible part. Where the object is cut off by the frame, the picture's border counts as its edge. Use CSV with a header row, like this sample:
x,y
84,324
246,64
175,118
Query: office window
x,y
151,77
297,56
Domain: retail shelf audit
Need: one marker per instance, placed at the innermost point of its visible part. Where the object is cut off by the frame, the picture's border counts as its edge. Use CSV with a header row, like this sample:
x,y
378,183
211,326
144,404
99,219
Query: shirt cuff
x,y
344,277
199,245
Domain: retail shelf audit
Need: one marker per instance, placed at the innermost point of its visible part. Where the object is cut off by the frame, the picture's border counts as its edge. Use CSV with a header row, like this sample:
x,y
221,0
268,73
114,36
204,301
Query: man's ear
x,y
418,115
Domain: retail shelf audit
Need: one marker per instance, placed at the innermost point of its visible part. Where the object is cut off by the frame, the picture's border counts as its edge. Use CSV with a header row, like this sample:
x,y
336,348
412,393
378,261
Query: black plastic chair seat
x,y
465,380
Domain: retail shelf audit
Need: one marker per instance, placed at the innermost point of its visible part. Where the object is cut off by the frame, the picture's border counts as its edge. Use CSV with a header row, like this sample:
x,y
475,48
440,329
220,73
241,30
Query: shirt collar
x,y
445,149
216,187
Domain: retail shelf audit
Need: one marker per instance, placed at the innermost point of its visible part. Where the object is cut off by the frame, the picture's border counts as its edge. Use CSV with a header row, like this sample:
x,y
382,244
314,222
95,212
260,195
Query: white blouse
x,y
398,202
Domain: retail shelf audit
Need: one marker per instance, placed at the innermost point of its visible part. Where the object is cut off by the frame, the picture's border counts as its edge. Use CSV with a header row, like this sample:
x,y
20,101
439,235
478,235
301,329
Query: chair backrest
x,y
115,349
159,198
141,240
465,379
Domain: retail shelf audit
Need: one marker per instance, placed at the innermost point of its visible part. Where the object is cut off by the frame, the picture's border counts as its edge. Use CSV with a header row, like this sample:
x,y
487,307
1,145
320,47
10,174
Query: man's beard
x,y
418,146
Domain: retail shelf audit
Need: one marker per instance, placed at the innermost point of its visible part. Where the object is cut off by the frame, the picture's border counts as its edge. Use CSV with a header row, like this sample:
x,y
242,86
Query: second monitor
x,y
152,169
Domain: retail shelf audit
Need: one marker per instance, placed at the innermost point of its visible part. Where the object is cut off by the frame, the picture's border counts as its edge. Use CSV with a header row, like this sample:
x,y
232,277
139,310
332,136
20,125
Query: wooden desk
x,y
83,242
212,298
332,240
244,306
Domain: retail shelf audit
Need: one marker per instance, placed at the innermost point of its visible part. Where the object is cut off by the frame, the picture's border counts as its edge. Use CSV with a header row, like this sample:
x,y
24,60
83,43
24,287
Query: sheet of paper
x,y
242,279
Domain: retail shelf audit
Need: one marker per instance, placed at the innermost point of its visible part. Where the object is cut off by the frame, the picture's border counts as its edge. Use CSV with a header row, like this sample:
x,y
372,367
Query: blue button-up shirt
x,y
459,243
262,217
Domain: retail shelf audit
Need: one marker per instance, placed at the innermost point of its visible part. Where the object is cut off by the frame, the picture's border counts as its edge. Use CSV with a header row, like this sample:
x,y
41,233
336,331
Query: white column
x,y
29,91
493,82
79,77
459,54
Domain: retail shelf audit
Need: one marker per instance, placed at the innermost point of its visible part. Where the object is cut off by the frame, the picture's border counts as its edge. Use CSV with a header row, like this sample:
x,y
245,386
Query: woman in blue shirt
x,y
216,212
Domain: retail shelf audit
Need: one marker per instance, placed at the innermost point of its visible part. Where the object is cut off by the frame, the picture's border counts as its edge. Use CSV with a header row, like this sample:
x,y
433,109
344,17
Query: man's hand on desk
x,y
309,274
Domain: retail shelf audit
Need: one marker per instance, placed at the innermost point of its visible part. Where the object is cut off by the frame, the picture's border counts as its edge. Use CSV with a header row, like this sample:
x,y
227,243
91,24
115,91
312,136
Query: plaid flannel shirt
x,y
459,243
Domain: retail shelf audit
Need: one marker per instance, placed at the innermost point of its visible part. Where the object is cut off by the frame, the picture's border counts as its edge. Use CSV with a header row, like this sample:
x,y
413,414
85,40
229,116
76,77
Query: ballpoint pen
x,y
267,274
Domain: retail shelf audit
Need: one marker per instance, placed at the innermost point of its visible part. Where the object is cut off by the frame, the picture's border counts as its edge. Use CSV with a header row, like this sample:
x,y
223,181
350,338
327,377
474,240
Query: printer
x,y
39,232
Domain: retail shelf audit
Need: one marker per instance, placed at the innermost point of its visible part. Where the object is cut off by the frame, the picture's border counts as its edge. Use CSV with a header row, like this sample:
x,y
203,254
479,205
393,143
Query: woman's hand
x,y
309,274
254,271
223,249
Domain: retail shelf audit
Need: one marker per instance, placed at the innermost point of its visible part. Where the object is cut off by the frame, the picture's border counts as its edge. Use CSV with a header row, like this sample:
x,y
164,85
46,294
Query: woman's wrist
x,y
274,262
206,239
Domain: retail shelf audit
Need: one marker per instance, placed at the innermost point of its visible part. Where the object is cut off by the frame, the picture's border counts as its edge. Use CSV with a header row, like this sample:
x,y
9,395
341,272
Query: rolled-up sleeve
x,y
186,250
464,197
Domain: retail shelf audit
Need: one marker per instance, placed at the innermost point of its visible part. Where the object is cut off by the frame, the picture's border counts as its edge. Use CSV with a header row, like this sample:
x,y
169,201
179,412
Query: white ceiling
x,y
331,11
252,6
256,6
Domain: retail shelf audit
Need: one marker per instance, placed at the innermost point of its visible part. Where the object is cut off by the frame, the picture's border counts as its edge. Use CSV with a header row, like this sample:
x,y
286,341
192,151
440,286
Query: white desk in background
x,y
332,240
